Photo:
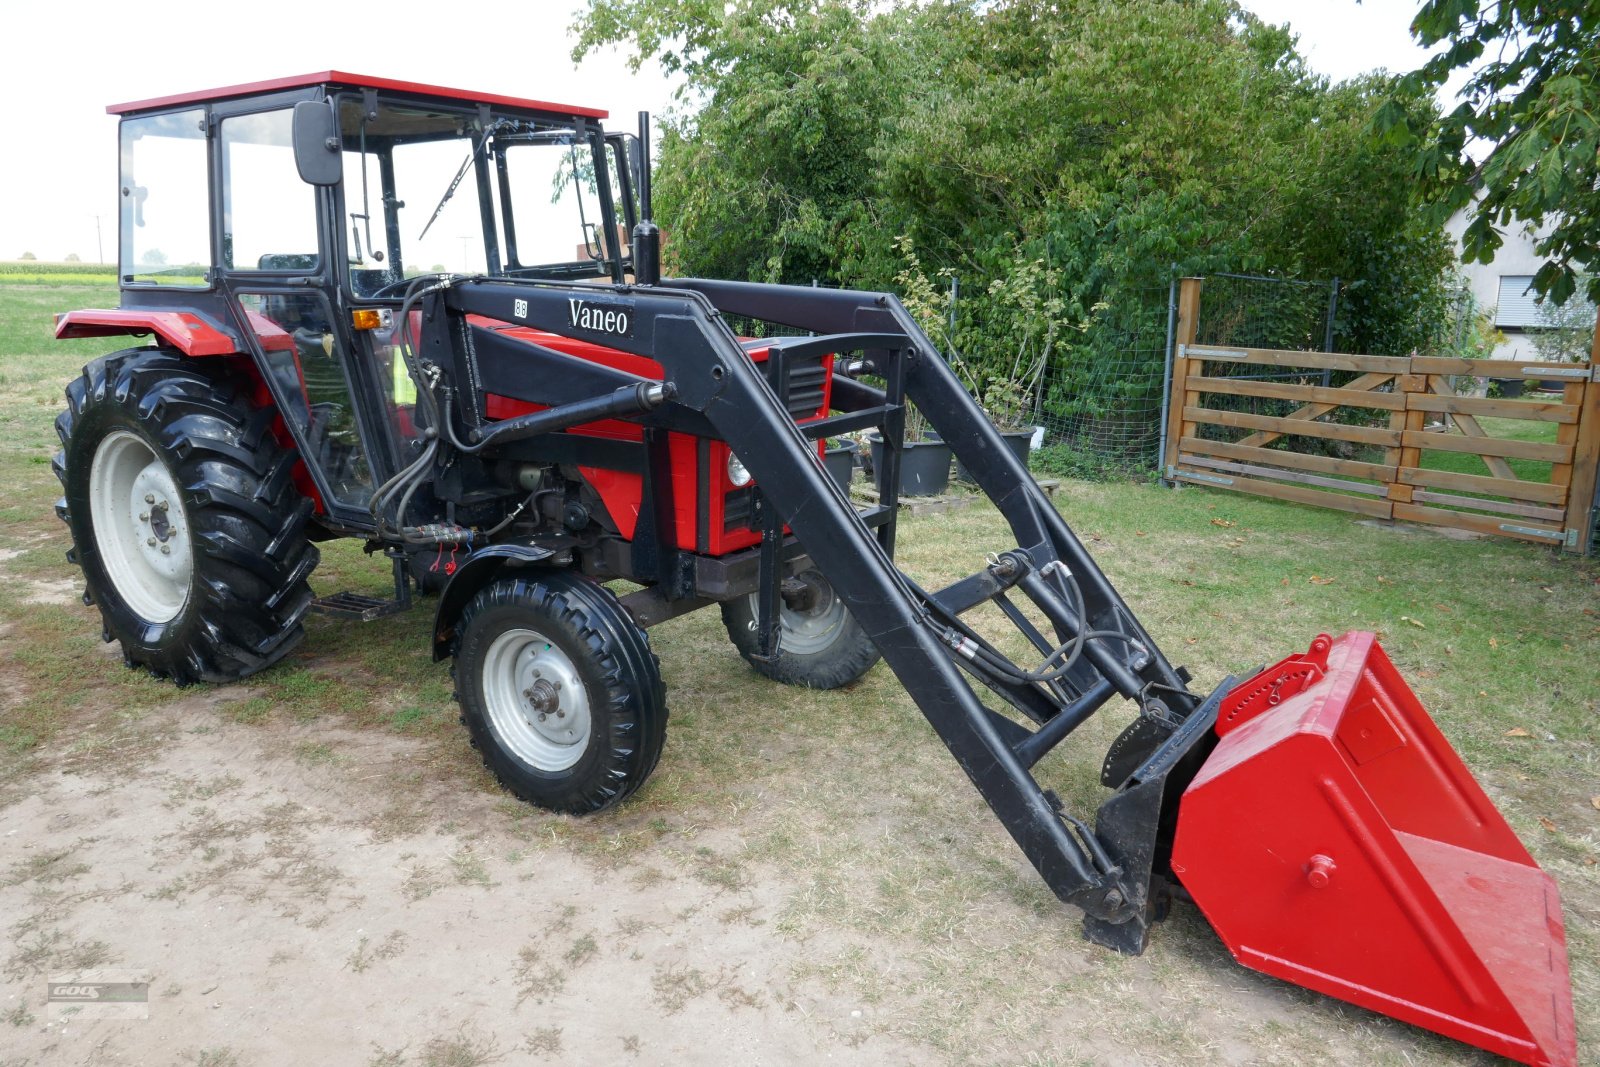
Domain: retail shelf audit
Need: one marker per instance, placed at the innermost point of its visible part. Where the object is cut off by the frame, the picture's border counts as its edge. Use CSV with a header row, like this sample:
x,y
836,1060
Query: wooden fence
x,y
1388,436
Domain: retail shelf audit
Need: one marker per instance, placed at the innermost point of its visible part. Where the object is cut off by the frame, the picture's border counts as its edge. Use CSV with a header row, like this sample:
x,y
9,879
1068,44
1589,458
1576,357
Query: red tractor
x,y
434,320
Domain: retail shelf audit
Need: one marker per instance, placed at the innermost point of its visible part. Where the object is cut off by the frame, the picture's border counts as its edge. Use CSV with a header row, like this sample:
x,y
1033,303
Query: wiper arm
x,y
448,193
455,183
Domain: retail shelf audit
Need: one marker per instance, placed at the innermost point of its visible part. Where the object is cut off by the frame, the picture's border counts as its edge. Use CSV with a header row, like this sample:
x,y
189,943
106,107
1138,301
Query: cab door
x,y
276,266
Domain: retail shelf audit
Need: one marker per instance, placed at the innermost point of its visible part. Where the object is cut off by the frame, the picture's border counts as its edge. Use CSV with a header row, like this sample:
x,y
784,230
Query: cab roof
x,y
341,79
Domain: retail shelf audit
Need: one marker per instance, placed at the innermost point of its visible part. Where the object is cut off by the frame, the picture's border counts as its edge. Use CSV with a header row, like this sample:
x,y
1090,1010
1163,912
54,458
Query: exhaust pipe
x,y
646,237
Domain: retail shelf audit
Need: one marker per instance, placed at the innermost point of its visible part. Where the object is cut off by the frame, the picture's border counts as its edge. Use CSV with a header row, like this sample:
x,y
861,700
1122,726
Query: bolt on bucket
x,y
1334,839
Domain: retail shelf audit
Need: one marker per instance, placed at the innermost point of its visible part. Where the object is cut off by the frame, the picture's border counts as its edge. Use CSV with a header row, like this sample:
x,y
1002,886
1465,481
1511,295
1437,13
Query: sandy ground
x,y
282,917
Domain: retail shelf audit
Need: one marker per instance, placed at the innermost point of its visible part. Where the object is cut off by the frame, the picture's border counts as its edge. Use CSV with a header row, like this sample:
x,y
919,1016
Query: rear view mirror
x,y
316,143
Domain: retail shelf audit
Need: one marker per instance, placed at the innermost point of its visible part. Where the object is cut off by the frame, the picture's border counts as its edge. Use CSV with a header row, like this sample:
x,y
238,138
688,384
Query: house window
x,y
1518,306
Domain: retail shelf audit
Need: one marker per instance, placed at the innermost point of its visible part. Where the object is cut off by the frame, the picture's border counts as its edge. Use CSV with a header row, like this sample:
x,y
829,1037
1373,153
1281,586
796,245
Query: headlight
x,y
737,473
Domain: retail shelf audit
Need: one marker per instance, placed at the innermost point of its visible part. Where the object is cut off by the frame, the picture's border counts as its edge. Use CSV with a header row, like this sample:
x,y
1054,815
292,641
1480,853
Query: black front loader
x,y
1115,871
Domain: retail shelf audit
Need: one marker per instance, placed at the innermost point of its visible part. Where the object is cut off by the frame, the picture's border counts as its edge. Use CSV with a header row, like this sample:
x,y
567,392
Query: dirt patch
x,y
59,591
273,901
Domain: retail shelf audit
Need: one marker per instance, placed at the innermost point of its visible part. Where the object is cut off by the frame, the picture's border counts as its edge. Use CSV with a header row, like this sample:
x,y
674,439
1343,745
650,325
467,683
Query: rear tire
x,y
184,517
820,645
559,691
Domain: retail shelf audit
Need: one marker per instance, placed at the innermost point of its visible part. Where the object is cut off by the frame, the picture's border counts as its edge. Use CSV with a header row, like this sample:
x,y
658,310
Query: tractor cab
x,y
294,214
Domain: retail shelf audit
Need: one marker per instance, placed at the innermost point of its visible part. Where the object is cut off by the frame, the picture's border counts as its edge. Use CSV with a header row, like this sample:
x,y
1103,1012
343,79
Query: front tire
x,y
820,644
559,691
184,517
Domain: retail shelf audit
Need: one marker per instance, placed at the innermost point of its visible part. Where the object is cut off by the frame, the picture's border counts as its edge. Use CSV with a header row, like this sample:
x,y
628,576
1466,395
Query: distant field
x,y
35,272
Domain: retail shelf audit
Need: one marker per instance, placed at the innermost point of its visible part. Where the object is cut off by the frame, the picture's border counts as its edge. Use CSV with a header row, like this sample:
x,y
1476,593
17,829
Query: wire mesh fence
x,y
1240,311
1099,402
1095,403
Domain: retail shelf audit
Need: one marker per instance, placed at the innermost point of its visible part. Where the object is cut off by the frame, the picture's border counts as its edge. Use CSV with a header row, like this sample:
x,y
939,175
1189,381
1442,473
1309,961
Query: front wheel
x,y
820,645
559,691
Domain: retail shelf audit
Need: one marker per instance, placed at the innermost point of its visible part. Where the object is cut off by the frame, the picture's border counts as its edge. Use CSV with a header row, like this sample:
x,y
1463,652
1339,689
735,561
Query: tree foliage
x,y
1093,144
1531,109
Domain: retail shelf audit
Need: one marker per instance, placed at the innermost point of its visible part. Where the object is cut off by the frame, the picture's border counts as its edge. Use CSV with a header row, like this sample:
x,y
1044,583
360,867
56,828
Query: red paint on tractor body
x,y
345,79
1334,839
622,491
190,332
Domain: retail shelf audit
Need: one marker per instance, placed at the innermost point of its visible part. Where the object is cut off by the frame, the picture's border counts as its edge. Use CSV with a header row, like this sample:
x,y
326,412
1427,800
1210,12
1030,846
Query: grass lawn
x,y
879,880
1530,470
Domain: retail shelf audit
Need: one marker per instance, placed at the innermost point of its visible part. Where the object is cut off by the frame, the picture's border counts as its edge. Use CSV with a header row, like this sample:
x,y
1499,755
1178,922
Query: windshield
x,y
436,191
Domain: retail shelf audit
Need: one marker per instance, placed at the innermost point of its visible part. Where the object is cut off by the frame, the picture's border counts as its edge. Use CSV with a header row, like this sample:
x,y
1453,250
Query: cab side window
x,y
165,223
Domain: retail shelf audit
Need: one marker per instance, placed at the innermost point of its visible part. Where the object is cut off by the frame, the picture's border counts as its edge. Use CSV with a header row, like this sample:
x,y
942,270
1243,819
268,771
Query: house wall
x,y
1514,257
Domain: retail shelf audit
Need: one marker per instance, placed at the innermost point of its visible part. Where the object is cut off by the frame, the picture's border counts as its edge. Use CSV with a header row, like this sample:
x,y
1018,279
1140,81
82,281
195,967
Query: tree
x,y
1564,333
72,257
1014,143
1533,102
28,255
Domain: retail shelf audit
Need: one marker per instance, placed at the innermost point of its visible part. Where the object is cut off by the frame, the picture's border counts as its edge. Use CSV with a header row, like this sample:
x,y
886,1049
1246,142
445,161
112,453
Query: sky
x,y
69,60
1342,38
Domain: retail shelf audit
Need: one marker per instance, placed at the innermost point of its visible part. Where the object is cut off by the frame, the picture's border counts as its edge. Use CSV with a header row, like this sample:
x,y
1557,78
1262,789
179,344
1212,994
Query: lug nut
x,y
543,716
166,550
144,516
149,498
151,541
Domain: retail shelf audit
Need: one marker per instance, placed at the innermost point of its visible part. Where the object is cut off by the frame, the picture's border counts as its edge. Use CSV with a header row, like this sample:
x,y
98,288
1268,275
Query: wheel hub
x,y
537,702
139,526
811,615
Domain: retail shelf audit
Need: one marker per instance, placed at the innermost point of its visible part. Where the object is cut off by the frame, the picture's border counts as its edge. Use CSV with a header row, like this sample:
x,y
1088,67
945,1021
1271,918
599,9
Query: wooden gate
x,y
1392,437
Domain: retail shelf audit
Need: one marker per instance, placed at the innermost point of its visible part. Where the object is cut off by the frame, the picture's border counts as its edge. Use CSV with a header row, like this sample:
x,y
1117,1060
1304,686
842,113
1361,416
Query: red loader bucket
x,y
1334,839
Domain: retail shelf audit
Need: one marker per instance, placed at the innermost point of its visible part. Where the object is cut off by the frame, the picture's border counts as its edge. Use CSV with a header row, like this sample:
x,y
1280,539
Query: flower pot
x,y
841,463
924,467
1019,441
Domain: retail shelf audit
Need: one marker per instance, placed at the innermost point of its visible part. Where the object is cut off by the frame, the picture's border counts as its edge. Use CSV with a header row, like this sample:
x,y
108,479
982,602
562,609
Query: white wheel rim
x,y
140,528
538,705
812,630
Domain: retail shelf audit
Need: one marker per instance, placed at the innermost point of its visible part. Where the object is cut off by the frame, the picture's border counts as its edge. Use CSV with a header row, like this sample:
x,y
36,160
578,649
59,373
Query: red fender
x,y
190,332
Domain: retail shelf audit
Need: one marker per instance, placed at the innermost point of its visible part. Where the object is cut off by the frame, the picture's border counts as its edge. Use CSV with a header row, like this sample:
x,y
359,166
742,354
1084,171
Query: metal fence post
x,y
1327,328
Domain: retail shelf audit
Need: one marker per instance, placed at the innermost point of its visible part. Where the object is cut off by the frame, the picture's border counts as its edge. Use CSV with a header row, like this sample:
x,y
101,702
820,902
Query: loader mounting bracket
x,y
1137,822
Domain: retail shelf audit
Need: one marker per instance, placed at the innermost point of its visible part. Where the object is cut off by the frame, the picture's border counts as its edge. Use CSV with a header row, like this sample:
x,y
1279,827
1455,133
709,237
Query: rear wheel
x,y
184,518
559,691
820,645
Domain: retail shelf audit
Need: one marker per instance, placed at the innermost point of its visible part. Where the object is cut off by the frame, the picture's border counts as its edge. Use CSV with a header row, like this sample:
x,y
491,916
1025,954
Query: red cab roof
x,y
354,81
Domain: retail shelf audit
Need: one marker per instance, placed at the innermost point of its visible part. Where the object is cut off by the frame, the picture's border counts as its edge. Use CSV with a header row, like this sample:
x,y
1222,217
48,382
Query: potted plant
x,y
924,458
1009,404
839,457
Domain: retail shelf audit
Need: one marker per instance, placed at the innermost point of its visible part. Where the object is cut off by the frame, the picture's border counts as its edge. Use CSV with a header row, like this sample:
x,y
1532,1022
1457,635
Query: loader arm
x,y
1107,871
